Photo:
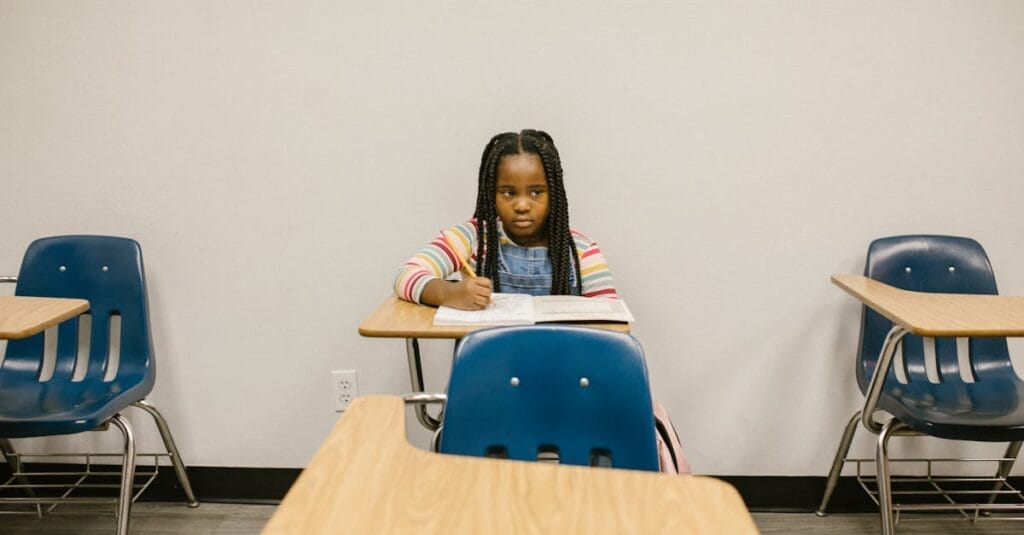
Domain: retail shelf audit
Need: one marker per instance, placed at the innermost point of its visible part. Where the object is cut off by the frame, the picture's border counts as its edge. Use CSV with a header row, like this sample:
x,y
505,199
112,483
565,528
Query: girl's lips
x,y
522,222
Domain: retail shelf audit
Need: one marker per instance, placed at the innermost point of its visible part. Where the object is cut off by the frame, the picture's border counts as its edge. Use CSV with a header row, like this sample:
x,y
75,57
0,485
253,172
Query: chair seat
x,y
35,408
990,410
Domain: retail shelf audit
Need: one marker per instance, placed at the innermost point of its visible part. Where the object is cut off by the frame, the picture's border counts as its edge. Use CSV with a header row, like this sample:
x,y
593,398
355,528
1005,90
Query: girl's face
x,y
521,199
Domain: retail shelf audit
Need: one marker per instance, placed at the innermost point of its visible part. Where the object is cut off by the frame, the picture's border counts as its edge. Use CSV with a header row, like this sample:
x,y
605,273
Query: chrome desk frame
x,y
412,350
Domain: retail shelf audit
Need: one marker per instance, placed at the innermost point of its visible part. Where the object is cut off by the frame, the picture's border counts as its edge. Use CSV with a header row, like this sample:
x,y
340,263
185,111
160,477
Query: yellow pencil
x,y
465,263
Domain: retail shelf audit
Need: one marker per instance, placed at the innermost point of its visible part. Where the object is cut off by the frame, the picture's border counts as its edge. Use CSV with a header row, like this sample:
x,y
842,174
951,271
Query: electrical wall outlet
x,y
344,388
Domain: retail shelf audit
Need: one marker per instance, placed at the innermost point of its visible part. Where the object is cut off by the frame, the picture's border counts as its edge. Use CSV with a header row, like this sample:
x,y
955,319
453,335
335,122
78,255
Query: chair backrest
x,y
582,393
923,263
108,272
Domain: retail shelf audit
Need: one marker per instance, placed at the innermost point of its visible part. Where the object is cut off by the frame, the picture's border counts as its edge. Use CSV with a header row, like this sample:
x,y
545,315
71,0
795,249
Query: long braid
x,y
486,215
561,245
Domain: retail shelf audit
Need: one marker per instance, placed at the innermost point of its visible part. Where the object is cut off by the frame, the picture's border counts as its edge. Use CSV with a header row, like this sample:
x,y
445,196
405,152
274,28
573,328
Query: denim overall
x,y
526,270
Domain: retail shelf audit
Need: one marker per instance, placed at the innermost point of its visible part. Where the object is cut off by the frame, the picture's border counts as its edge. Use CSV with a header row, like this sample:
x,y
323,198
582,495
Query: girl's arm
x,y
422,278
597,277
473,293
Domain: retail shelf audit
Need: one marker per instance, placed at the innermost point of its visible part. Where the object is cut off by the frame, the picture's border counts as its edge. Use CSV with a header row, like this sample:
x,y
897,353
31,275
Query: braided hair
x,y
561,245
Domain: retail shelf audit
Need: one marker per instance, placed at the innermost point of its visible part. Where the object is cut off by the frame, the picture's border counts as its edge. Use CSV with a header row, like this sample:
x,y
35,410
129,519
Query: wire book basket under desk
x,y
41,483
926,490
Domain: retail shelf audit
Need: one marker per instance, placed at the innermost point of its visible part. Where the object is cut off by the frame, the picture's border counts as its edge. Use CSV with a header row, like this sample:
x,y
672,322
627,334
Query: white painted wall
x,y
279,160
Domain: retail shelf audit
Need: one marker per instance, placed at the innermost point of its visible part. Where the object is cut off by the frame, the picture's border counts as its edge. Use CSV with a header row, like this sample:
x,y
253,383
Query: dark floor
x,y
232,519
147,518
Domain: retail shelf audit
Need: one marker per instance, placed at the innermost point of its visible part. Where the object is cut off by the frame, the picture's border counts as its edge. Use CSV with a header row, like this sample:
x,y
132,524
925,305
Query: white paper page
x,y
505,309
577,308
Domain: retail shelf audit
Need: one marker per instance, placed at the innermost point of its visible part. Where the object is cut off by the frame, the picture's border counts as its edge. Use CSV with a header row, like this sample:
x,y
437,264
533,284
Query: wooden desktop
x,y
935,314
23,316
367,478
396,318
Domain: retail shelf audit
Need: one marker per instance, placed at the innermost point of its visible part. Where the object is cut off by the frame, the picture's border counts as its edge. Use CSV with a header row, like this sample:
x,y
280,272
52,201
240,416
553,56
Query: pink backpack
x,y
670,452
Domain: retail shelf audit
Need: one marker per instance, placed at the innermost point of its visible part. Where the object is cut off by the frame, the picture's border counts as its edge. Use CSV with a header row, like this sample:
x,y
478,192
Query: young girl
x,y
521,207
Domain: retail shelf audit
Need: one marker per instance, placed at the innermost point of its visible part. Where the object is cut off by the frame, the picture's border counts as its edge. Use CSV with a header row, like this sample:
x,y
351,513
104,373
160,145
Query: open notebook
x,y
522,309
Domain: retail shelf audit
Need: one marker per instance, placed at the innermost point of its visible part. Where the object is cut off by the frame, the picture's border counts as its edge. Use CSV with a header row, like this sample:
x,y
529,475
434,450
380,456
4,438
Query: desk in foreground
x,y
936,314
396,318
23,316
367,478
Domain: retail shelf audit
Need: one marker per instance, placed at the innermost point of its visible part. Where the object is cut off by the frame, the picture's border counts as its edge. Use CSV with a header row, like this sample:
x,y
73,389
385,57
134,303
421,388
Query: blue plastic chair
x,y
526,392
108,272
987,409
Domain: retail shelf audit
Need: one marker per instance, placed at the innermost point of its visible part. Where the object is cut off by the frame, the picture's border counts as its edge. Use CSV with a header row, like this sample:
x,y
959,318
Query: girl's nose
x,y
521,204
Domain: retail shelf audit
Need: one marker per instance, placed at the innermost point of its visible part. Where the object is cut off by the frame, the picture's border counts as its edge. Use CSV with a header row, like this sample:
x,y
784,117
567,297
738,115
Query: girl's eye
x,y
506,194
536,193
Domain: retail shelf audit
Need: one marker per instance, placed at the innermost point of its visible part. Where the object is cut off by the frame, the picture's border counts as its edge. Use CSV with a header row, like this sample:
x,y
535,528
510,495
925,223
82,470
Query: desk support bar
x,y
420,398
892,341
412,350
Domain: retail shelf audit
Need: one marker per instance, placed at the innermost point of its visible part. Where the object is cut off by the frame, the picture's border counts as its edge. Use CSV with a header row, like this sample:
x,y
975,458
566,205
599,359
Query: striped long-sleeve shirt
x,y
443,257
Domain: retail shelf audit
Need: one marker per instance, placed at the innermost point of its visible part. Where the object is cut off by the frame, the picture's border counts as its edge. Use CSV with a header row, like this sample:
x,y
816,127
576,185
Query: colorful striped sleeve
x,y
438,260
597,277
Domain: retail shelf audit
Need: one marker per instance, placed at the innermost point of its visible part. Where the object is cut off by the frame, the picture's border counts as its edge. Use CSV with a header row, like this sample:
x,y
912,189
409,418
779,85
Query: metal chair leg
x,y
14,462
172,450
9,455
885,504
124,502
838,462
435,440
412,350
1012,451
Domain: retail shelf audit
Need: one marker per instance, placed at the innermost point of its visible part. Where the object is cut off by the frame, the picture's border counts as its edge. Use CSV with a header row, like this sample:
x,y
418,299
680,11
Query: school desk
x,y
22,316
936,314
367,478
926,314
396,318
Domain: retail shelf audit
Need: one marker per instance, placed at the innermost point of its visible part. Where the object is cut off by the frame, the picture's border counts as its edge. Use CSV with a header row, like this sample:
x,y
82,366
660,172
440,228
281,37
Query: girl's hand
x,y
473,293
